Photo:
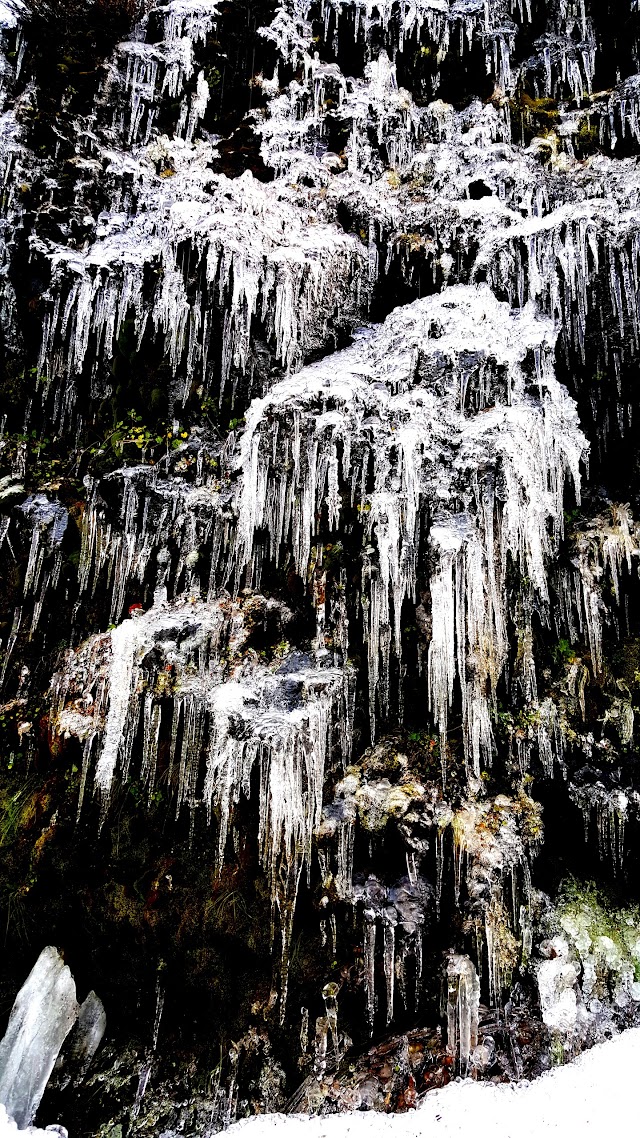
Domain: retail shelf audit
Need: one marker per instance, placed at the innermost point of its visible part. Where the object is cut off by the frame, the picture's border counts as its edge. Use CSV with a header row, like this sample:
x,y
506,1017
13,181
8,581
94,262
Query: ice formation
x,y
325,331
86,1037
42,1016
392,428
588,954
388,435
256,265
463,998
294,276
170,667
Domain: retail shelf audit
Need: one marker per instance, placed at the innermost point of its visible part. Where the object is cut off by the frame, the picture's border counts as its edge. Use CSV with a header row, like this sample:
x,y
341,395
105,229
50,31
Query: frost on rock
x,y
42,1016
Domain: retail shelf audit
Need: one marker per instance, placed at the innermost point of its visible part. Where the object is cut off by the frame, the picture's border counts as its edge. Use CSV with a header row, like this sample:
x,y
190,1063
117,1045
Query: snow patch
x,y
593,1095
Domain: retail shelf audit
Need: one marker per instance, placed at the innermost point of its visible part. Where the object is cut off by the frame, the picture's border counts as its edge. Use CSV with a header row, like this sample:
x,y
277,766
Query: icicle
x,y
304,1030
334,934
330,997
85,1039
440,832
463,1000
287,739
322,1035
389,964
147,1066
11,643
369,970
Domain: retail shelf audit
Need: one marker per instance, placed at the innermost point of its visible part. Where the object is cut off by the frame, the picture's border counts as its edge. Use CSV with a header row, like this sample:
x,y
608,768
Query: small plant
x,y
13,814
564,653
556,1052
228,905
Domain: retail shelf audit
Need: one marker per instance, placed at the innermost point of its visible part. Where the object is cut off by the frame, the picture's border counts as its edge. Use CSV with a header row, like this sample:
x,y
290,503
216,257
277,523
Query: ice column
x,y
463,999
42,1016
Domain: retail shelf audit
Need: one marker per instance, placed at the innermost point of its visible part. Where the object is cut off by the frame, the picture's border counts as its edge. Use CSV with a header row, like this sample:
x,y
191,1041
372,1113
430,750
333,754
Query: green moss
x,y
564,652
587,914
586,139
534,117
17,811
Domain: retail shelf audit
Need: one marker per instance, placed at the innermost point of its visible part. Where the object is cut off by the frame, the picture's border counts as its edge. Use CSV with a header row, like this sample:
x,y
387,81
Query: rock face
x,y
320,671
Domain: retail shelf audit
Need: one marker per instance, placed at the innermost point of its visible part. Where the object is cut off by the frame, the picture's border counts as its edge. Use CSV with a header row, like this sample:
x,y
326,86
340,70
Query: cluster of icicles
x,y
388,430
380,443
182,669
258,259
441,445
562,63
491,844
383,437
255,262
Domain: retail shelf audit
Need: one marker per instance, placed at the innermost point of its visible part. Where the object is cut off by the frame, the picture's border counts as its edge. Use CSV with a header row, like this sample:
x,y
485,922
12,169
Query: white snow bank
x,y
8,1128
597,1094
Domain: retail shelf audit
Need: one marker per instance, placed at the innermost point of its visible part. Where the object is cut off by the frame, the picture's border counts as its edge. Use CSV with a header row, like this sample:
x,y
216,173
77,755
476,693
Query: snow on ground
x,y
597,1094
8,1128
